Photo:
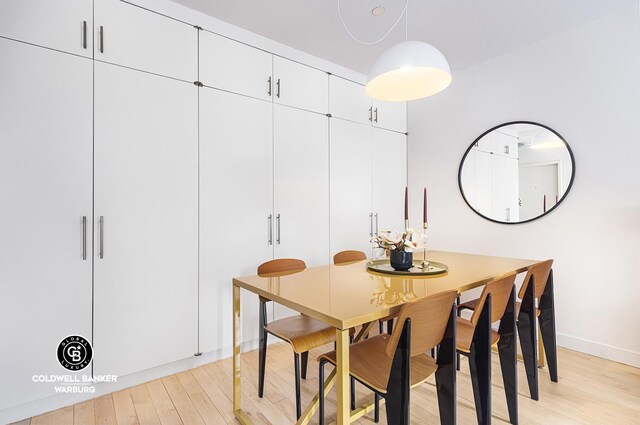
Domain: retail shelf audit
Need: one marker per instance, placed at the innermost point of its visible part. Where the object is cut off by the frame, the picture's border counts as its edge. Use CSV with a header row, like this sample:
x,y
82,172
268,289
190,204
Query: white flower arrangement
x,y
395,241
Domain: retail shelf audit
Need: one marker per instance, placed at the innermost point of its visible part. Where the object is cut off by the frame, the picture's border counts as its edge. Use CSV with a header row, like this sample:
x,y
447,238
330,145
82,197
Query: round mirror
x,y
516,172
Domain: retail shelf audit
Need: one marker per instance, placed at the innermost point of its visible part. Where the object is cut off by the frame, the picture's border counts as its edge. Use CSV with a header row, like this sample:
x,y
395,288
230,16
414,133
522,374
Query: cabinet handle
x,y
508,214
278,229
375,115
270,220
278,88
269,86
371,225
84,34
370,113
101,237
84,237
506,149
376,224
101,39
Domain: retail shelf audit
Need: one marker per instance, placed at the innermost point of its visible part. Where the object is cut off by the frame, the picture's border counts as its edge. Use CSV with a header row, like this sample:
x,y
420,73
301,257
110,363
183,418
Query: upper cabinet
x,y
137,38
390,115
349,101
243,69
300,86
61,25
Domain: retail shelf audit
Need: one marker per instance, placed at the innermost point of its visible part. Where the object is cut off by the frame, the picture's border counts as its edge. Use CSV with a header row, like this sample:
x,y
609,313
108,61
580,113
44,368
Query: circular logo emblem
x,y
74,353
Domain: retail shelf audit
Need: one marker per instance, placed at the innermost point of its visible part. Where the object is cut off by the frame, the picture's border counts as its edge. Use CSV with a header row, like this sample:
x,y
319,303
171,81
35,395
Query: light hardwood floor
x,y
591,391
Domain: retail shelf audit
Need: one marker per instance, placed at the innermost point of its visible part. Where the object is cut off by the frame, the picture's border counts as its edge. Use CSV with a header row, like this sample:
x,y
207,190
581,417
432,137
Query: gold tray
x,y
383,266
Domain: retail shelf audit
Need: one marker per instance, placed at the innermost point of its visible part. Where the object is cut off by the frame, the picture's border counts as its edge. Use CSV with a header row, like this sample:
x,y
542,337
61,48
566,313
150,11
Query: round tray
x,y
383,266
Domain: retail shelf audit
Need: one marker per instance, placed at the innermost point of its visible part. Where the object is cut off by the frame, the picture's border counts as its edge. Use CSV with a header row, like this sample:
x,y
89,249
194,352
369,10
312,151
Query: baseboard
x,y
598,349
38,407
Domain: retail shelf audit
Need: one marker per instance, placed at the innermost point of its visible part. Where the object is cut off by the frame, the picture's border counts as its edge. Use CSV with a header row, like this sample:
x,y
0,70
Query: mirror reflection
x,y
516,172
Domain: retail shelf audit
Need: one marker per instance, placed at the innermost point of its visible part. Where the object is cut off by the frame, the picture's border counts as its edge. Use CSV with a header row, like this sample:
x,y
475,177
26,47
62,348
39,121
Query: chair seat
x,y
471,305
369,363
464,335
302,332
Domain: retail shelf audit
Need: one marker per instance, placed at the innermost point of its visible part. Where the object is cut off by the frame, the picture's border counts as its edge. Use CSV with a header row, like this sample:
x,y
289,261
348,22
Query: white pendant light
x,y
408,71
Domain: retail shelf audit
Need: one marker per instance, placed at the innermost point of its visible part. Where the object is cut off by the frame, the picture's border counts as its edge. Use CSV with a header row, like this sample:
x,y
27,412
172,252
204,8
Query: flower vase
x,y
401,260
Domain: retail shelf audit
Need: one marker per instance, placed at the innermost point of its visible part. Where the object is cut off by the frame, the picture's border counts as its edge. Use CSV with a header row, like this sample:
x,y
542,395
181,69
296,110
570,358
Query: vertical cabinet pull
x,y
101,237
278,229
375,115
270,221
376,224
101,39
370,113
506,149
84,34
278,88
508,210
371,224
84,237
269,86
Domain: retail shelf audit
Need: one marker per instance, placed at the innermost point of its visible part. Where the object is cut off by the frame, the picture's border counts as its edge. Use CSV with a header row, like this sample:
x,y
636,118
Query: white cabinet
x,y
137,38
483,183
504,144
389,179
468,178
236,208
300,86
390,115
235,67
485,143
61,25
348,100
146,216
45,192
504,188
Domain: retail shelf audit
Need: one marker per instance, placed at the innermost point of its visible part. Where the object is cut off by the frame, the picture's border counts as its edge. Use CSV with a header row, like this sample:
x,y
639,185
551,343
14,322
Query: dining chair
x,y
349,256
390,365
537,285
475,338
302,332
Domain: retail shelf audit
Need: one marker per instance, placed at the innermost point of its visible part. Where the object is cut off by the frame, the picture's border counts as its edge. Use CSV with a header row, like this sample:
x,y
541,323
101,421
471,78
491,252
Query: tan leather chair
x,y
537,285
390,365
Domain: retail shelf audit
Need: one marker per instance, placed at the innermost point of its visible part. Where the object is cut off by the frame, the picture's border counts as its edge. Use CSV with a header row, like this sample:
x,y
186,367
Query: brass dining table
x,y
349,295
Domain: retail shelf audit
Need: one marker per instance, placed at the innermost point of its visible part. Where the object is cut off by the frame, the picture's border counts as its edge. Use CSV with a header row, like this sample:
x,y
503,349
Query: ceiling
x,y
466,31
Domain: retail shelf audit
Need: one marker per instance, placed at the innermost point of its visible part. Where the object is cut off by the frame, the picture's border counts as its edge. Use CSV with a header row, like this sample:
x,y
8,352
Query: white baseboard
x,y
58,401
598,349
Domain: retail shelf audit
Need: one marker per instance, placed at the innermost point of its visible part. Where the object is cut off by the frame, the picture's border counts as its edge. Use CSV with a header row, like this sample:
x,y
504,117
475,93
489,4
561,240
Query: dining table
x,y
350,296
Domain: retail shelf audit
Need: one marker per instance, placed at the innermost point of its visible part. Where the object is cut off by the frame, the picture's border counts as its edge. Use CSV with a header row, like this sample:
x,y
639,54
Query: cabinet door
x,y
349,101
483,184
350,186
301,187
61,25
300,86
146,188
45,191
504,144
468,178
244,69
504,184
390,115
236,200
137,38
389,179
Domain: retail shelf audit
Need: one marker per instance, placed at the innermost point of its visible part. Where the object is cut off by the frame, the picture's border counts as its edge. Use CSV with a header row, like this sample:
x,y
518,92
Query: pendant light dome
x,y
407,71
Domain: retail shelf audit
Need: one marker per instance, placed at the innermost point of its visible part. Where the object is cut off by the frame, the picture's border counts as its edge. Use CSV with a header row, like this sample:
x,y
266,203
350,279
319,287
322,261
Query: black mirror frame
x,y
573,171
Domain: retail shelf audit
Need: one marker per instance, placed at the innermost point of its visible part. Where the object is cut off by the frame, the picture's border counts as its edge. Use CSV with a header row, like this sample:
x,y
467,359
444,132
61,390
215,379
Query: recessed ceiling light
x,y
378,10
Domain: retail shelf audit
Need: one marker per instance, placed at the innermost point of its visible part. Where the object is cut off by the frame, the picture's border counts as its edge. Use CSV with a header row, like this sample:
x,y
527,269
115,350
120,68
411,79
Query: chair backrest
x,y
281,265
540,273
500,290
429,318
348,256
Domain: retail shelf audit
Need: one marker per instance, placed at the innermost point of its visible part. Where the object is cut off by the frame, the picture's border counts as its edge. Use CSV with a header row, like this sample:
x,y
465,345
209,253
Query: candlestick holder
x,y
424,265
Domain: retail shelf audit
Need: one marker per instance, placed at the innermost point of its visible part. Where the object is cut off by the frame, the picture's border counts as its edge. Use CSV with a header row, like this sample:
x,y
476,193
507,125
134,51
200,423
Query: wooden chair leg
x,y
480,365
305,360
296,361
262,353
321,392
446,373
508,352
547,321
527,334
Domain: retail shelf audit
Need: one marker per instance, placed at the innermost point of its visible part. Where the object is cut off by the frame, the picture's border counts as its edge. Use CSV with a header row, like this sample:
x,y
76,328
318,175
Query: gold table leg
x,y
342,376
242,417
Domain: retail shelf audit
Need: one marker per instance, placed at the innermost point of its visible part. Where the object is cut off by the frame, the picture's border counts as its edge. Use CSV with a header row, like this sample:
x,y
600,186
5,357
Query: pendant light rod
x,y
404,12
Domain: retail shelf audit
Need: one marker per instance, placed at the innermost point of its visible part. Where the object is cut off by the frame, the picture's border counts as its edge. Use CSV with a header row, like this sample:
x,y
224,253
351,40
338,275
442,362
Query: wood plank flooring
x,y
591,391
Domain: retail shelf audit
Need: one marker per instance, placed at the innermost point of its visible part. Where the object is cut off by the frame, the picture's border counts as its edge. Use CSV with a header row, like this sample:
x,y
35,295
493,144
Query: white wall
x,y
585,84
